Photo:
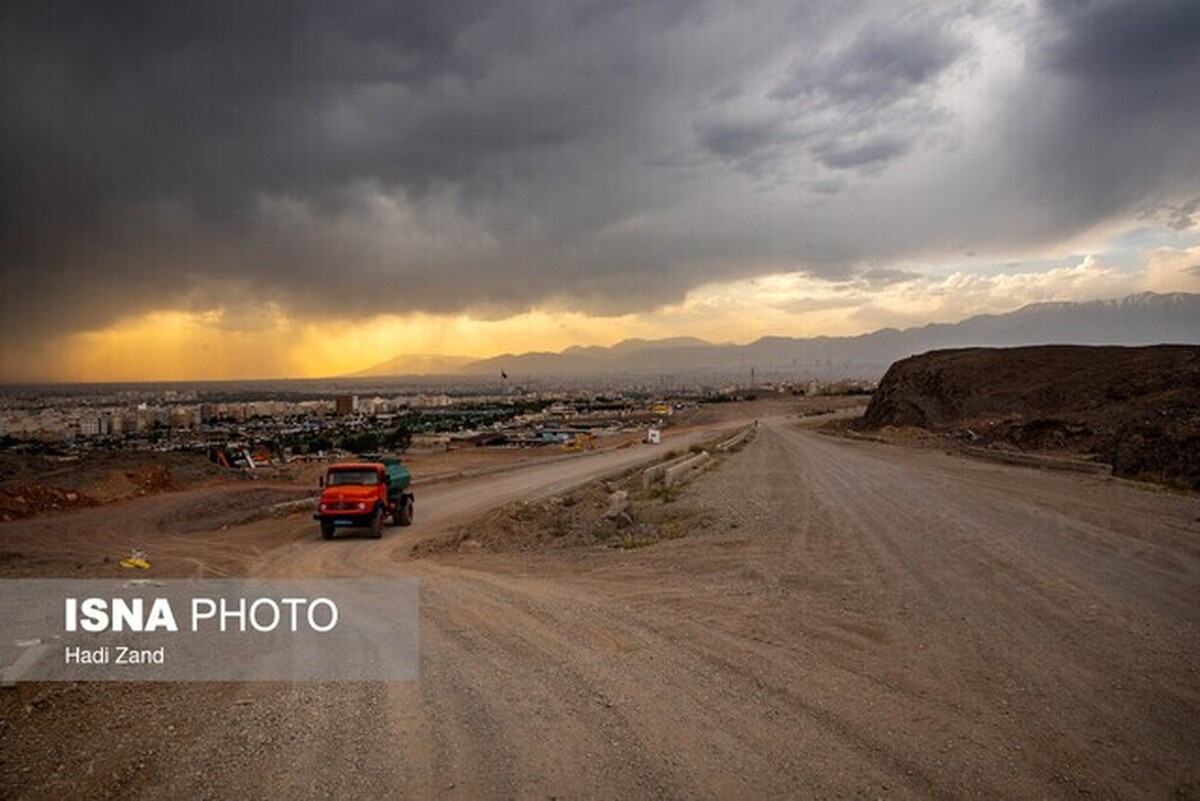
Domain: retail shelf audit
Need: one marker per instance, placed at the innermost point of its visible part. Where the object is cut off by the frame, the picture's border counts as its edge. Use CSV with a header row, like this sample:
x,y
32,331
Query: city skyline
x,y
297,189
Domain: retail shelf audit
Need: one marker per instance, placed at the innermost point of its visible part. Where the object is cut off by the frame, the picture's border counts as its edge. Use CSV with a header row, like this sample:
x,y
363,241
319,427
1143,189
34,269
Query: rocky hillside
x,y
1135,408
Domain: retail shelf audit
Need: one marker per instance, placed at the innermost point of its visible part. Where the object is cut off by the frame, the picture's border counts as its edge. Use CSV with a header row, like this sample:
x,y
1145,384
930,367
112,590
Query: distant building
x,y
152,417
96,425
378,405
429,441
182,417
132,422
433,401
345,404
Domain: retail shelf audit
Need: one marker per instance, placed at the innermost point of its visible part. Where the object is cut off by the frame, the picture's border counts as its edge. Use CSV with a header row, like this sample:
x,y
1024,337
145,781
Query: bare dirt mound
x,y
606,514
1137,409
34,485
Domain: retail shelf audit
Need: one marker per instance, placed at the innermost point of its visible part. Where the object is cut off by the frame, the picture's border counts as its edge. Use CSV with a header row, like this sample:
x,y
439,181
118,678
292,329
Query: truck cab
x,y
364,495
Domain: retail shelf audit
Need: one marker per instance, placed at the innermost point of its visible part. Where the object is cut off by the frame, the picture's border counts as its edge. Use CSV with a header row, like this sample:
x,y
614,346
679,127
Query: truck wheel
x,y
406,512
326,531
377,523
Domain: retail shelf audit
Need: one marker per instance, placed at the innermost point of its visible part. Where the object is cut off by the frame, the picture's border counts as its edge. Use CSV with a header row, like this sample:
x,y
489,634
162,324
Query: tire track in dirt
x,y
1029,611
851,619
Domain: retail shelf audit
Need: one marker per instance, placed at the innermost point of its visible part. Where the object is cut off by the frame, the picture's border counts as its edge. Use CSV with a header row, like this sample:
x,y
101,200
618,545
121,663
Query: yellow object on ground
x,y
135,561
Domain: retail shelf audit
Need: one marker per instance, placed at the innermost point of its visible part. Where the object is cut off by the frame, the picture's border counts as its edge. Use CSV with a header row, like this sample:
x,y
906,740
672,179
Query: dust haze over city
x,y
779,399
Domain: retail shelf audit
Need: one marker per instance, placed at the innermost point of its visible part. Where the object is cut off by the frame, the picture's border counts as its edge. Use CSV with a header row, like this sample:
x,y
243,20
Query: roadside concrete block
x,y
684,470
738,438
656,472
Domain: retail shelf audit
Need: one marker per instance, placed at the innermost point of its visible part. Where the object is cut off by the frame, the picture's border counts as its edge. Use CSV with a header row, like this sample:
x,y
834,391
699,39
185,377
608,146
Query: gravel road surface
x,y
851,619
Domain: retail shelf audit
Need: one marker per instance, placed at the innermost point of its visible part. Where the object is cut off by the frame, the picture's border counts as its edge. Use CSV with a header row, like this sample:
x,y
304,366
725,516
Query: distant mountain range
x,y
421,364
1144,319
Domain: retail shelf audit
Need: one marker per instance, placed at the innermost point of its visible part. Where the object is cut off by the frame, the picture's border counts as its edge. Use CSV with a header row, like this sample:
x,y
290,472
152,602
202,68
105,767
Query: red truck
x,y
362,495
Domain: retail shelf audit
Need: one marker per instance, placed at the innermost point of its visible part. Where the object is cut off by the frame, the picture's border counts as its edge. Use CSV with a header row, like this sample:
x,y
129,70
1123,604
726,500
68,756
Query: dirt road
x,y
849,618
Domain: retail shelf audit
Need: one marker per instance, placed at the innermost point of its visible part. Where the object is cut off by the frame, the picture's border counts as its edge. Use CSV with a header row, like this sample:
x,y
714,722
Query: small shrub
x,y
558,527
673,530
666,494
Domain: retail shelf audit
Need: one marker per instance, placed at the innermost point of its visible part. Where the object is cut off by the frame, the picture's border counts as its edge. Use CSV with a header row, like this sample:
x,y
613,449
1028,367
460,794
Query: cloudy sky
x,y
289,188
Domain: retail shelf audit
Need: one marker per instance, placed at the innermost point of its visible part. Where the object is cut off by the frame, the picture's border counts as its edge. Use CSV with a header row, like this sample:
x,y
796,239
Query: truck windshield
x,y
338,477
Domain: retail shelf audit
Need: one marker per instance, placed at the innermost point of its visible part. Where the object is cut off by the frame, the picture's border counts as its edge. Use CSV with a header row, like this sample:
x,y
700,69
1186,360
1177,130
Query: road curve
x,y
849,618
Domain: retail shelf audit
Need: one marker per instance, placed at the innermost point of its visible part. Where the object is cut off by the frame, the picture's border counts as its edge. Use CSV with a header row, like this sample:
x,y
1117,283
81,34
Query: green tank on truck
x,y
364,495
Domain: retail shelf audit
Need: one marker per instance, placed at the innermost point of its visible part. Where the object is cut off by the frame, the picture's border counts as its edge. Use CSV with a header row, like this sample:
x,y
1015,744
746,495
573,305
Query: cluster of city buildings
x,y
174,420
292,420
89,418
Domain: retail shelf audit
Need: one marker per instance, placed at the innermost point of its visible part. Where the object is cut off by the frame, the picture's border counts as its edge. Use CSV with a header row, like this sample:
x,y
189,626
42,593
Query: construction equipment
x,y
582,442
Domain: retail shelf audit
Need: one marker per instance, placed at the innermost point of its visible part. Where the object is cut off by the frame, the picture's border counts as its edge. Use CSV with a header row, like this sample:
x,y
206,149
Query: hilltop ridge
x,y
1145,318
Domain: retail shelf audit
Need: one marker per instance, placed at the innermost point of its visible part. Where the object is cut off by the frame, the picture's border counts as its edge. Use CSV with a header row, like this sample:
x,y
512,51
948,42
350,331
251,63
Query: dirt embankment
x,y
620,511
1137,409
34,485
607,514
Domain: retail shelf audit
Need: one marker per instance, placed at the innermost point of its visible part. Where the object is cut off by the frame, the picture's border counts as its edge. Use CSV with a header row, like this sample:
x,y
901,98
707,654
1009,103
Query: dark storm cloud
x,y
738,139
1145,47
837,155
162,153
882,65
1106,123
136,136
852,105
109,101
1182,216
349,159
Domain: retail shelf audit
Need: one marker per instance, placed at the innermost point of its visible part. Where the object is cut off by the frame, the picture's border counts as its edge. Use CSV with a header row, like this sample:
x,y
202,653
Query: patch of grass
x,y
665,494
673,530
558,526
523,512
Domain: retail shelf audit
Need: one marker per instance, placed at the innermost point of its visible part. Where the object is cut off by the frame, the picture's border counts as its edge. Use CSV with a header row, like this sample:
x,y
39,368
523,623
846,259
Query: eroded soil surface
x,y
839,618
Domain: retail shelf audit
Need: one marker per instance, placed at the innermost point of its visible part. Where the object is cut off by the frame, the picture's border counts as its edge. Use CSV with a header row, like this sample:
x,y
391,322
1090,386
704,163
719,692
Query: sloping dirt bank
x,y
1137,409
